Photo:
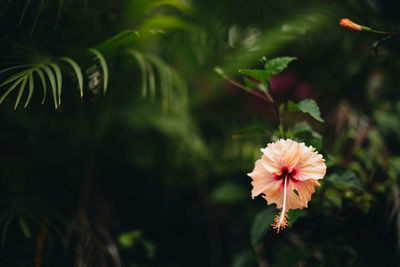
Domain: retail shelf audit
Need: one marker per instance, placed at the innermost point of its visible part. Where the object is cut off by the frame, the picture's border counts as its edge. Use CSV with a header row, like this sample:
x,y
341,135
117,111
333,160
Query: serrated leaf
x,y
44,85
53,84
142,65
77,71
347,179
21,90
277,65
12,87
261,225
31,87
24,227
57,71
308,106
260,75
103,64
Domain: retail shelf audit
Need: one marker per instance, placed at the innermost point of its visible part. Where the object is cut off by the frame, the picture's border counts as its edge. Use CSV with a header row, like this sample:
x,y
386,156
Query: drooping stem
x,y
267,96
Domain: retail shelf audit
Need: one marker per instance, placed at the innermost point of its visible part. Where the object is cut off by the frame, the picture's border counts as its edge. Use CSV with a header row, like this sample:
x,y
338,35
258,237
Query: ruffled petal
x,y
276,197
311,165
283,153
263,181
305,189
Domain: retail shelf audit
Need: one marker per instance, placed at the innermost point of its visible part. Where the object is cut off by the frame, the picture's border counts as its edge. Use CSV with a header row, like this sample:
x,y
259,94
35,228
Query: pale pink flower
x,y
287,175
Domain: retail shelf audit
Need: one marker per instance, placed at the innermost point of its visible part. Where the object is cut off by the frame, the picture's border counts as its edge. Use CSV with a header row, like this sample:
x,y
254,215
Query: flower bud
x,y
348,24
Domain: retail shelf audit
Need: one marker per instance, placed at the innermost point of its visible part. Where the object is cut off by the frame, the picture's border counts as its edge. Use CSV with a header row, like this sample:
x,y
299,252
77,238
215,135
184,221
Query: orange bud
x,y
348,24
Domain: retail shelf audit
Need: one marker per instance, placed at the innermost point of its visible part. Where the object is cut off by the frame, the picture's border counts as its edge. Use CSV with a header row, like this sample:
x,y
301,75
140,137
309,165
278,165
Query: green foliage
x,y
308,106
229,192
277,65
347,179
260,75
133,238
103,65
261,225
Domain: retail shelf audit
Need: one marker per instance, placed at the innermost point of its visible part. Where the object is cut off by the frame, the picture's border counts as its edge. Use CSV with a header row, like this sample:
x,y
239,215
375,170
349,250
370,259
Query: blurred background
x,y
153,171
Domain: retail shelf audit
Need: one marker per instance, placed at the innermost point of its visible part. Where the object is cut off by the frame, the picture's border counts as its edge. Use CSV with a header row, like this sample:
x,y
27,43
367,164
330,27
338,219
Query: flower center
x,y
286,174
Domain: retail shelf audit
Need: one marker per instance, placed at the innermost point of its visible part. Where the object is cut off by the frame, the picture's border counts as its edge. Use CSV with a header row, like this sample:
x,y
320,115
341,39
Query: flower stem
x,y
278,113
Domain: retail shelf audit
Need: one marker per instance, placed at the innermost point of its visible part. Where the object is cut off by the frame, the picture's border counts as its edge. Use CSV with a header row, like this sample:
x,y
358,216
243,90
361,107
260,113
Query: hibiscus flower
x,y
286,175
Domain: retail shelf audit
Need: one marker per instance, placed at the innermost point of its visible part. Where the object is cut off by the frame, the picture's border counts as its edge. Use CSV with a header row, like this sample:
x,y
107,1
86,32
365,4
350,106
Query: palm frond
x,y
170,84
77,71
103,65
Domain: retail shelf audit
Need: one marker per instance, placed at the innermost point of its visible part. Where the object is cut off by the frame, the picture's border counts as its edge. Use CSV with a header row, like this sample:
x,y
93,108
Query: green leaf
x,y
41,76
291,106
345,179
57,71
103,65
152,81
245,258
293,215
60,6
12,87
31,86
52,80
24,227
35,20
128,239
24,11
260,75
163,71
77,71
302,127
261,224
219,71
375,45
333,198
16,67
14,77
308,106
5,228
142,65
21,90
277,65
229,192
